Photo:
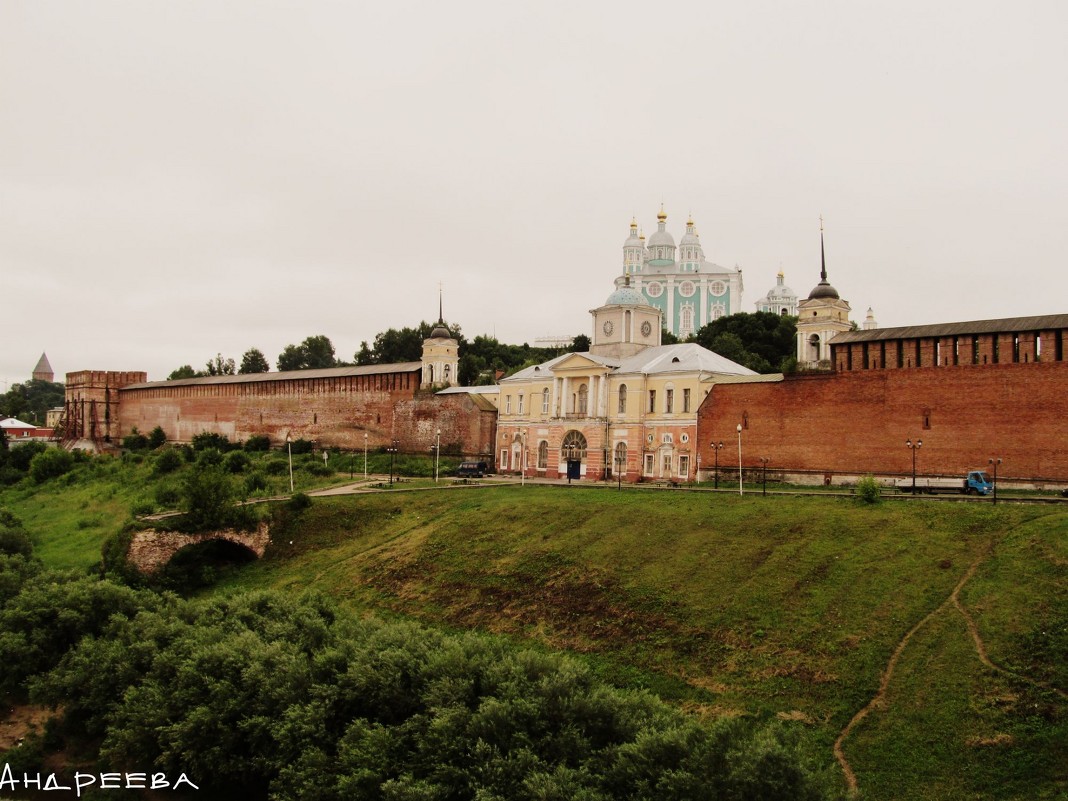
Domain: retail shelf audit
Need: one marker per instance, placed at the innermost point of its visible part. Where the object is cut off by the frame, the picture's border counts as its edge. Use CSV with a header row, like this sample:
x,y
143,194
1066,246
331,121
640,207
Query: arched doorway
x,y
573,455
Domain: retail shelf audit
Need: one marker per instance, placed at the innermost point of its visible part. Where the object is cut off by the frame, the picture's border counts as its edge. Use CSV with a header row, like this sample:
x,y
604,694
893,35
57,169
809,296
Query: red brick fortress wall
x,y
331,410
858,422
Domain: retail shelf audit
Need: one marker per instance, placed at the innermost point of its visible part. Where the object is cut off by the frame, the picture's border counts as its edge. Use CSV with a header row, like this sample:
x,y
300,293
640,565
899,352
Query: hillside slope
x,y
741,606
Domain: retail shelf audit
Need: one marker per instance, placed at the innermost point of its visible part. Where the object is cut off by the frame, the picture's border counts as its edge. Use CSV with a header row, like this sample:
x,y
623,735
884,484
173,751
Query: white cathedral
x,y
689,291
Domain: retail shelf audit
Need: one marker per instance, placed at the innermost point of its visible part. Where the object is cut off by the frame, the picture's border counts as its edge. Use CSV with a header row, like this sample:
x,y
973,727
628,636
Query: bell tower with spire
x,y
820,316
441,359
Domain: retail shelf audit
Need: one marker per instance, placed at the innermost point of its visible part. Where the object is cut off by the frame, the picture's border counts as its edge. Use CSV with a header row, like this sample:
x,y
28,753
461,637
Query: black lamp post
x,y
392,451
716,449
913,448
764,478
619,473
995,462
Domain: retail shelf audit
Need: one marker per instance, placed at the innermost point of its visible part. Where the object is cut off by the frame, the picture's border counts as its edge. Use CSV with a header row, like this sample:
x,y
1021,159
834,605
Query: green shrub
x,y
142,508
276,467
20,456
258,443
50,463
209,456
157,438
167,461
235,462
867,489
13,538
301,446
317,468
299,502
135,441
209,439
255,482
167,494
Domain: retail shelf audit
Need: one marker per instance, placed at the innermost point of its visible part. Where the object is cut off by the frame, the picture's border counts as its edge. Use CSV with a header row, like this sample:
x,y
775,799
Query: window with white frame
x,y
520,402
685,400
684,466
545,401
504,458
622,398
507,404
652,401
669,400
648,464
543,455
621,457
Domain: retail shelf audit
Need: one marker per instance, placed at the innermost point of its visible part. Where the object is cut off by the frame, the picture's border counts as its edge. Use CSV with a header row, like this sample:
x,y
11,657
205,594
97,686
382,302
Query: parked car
x,y
472,469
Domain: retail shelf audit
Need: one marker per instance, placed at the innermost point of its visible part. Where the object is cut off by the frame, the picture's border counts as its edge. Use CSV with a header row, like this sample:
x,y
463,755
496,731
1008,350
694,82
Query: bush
x,y
51,463
167,461
258,444
867,489
209,456
255,482
135,441
209,439
235,462
157,438
299,446
317,468
276,467
20,456
13,538
167,495
299,502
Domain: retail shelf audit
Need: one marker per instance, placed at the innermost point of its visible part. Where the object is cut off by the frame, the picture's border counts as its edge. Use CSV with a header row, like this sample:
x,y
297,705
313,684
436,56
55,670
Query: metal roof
x,y
1048,322
289,375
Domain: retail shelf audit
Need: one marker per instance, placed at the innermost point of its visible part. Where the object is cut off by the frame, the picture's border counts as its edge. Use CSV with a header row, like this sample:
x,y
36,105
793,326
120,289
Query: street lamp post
x,y
764,477
740,490
437,454
995,462
716,449
913,448
392,451
289,448
364,455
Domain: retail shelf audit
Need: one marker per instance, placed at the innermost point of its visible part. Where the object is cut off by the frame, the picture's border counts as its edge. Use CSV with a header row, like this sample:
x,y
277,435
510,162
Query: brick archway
x,y
150,550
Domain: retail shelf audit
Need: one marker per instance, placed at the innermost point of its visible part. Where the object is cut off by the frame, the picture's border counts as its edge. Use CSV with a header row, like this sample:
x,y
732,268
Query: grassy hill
x,y
730,605
743,606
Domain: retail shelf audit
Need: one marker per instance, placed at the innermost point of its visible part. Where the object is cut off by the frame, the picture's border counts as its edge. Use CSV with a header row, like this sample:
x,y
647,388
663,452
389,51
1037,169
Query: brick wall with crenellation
x,y
858,422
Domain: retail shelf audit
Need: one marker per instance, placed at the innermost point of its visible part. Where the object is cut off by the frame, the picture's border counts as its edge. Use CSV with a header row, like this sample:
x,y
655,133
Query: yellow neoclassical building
x,y
627,407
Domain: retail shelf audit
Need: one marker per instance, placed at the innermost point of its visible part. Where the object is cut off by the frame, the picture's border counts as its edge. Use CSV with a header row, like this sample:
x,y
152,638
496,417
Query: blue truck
x,y
977,482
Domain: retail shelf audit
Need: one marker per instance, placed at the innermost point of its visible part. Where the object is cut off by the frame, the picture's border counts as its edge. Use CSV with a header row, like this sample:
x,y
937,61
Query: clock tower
x,y
625,324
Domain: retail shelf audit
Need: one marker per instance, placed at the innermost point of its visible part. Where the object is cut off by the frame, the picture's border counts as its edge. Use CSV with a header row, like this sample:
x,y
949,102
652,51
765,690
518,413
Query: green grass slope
x,y
743,606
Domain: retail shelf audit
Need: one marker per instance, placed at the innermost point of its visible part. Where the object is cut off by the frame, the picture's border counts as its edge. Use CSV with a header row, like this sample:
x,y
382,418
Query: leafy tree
x,y
220,366
31,400
185,371
167,461
207,498
313,353
3,440
668,338
254,362
580,344
760,341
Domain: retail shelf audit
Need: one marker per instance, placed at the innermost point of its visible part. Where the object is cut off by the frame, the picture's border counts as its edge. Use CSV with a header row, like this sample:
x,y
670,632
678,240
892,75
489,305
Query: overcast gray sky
x,y
185,178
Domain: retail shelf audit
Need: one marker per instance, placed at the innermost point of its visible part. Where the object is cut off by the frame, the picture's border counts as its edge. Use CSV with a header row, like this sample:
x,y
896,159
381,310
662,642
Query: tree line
x,y
762,341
